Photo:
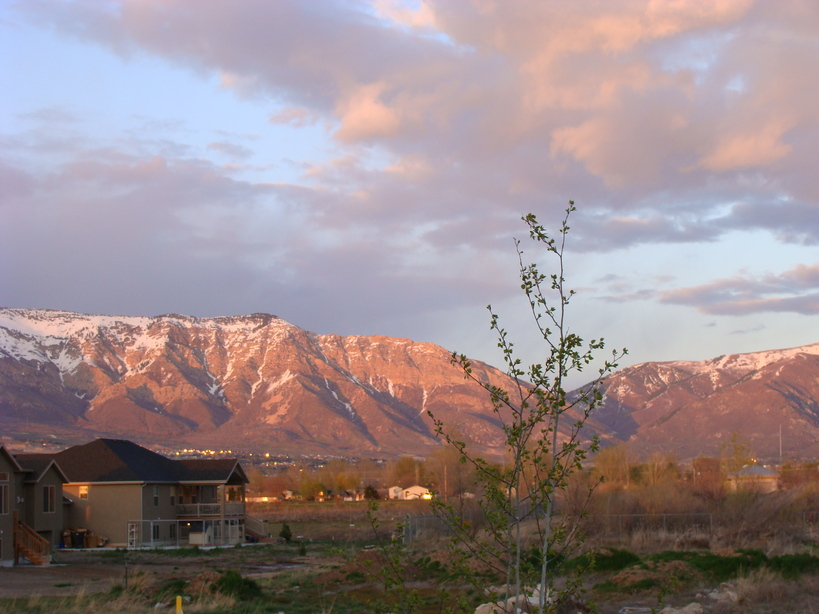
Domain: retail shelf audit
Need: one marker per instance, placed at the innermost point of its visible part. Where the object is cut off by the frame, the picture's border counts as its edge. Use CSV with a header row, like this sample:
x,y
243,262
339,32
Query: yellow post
x,y
178,604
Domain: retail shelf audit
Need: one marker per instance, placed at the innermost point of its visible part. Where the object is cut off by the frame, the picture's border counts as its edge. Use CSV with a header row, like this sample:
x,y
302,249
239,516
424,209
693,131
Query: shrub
x,y
286,534
232,584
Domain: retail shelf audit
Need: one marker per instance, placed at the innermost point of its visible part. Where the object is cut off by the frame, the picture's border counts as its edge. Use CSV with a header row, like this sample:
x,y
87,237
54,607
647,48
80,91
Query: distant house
x,y
31,507
415,492
135,497
394,492
754,478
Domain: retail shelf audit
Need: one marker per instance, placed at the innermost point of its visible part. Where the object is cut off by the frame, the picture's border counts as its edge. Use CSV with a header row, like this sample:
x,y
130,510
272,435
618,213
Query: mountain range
x,y
259,383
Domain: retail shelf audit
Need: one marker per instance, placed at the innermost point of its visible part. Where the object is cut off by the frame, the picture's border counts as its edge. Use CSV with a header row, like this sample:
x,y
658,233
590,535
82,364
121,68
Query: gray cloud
x,y
668,123
795,291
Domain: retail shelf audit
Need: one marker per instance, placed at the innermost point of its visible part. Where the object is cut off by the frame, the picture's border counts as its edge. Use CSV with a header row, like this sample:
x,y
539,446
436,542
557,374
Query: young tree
x,y
542,424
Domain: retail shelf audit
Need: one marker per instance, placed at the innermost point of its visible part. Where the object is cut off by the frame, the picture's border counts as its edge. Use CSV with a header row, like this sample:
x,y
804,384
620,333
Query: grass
x,y
327,581
603,560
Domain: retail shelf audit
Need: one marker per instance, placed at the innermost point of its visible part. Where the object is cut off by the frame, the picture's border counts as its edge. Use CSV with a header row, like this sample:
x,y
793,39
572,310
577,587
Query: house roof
x,y
38,465
755,471
115,460
213,470
119,460
15,465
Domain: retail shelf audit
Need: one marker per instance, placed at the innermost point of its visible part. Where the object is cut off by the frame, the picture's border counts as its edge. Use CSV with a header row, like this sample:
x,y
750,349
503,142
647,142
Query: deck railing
x,y
210,510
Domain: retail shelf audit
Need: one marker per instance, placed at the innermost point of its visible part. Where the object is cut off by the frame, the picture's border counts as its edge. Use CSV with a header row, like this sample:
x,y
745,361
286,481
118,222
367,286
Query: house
x,y
415,492
754,478
394,492
31,507
135,497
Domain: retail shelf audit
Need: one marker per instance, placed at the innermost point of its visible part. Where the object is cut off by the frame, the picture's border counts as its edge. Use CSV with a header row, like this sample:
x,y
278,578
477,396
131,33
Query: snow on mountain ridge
x,y
742,363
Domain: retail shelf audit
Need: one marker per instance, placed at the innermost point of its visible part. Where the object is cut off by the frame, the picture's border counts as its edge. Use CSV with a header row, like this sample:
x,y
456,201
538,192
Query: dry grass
x,y
762,586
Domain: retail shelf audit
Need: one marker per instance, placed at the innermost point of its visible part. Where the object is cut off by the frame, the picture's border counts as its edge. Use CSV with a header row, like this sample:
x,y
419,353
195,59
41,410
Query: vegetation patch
x,y
603,560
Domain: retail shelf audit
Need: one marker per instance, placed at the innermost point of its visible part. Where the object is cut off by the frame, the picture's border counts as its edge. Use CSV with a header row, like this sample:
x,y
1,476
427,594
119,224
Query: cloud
x,y
796,291
762,148
295,116
397,145
231,150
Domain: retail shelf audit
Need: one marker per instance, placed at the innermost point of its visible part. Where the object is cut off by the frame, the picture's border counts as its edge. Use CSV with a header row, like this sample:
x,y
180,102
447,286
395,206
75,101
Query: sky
x,y
361,167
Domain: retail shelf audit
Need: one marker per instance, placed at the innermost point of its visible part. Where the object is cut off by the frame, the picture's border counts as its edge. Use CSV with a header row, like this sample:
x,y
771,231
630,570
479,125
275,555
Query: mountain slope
x,y
234,381
693,407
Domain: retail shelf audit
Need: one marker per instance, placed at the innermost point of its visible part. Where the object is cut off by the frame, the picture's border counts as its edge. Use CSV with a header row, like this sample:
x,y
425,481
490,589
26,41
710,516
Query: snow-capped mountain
x,y
257,382
245,381
694,407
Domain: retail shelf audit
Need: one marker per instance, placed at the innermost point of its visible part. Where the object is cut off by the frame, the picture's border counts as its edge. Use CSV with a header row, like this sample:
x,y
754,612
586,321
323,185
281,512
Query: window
x,y
172,531
155,531
83,492
173,495
4,499
156,496
4,476
49,499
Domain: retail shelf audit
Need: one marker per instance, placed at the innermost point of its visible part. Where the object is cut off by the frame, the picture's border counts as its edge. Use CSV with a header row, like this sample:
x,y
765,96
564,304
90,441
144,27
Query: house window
x,y
172,531
83,492
173,495
155,531
49,499
156,496
4,499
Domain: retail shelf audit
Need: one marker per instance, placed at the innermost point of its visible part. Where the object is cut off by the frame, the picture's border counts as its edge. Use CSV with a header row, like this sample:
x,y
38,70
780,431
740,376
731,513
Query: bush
x,y
232,584
286,534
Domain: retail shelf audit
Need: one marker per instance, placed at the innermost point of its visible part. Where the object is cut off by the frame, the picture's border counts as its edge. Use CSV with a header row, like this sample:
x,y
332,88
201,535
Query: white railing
x,y
210,510
258,526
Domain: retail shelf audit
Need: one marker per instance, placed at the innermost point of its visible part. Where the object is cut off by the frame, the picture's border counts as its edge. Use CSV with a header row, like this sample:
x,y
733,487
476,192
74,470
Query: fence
x,y
625,525
604,525
164,533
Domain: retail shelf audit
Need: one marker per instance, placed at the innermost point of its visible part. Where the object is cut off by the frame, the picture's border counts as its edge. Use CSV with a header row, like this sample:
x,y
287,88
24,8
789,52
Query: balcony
x,y
210,510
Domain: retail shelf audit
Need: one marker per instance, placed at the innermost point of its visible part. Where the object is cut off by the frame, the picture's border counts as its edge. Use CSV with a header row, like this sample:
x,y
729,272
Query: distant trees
x,y
613,464
406,472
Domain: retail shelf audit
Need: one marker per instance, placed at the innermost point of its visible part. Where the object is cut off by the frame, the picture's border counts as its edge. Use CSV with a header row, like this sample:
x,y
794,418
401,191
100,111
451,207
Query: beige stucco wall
x,y
106,510
163,511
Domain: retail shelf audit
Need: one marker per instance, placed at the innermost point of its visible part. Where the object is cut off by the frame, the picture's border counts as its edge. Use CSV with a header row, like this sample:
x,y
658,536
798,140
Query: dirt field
x,y
91,571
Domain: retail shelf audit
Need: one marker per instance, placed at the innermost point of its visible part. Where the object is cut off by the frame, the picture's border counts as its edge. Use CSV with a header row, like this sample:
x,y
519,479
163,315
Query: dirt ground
x,y
78,572
60,580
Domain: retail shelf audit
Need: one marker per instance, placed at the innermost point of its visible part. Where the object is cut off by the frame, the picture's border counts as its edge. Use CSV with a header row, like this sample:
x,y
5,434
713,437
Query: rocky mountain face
x,y
694,408
249,382
259,383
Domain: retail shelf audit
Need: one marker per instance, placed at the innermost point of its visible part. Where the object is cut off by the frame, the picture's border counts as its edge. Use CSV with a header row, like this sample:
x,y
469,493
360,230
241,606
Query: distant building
x,y
415,492
753,478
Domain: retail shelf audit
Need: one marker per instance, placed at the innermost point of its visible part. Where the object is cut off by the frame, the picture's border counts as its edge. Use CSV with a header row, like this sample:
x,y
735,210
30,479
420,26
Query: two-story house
x,y
135,497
